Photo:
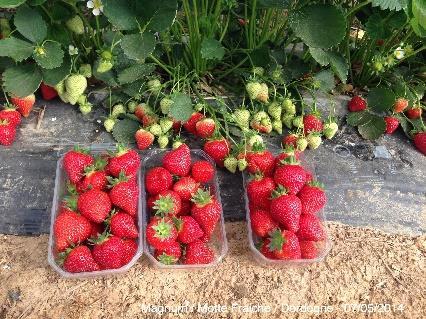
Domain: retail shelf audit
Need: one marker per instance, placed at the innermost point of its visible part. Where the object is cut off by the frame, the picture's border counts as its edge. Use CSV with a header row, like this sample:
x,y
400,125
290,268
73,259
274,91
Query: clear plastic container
x,y
60,190
218,241
253,238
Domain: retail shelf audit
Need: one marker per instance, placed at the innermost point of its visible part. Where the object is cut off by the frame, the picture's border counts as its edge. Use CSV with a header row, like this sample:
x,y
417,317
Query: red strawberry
x,y
259,191
186,208
286,209
167,203
80,259
188,229
357,104
312,123
264,249
284,244
70,229
97,229
202,171
144,139
413,113
130,247
150,202
75,162
158,179
308,249
170,255
392,124
205,127
190,125
7,133
292,176
260,161
290,140
286,153
94,205
108,252
310,228
47,92
123,225
206,211
309,176
176,126
95,177
261,222
11,114
124,159
24,104
400,105
124,194
160,233
218,149
312,197
420,141
186,187
198,252
178,161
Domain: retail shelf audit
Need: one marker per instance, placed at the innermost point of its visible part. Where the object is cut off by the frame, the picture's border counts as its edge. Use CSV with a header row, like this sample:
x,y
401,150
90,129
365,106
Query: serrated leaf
x,y
181,108
30,24
138,46
321,56
121,14
358,118
373,129
260,56
325,79
9,4
52,56
135,72
211,49
164,16
339,65
60,12
381,99
418,8
54,76
16,49
319,25
377,27
407,127
134,89
124,131
390,4
22,80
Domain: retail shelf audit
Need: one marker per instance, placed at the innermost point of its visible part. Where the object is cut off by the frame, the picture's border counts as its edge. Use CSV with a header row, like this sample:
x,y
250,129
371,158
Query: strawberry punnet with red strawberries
x,y
206,210
124,159
178,161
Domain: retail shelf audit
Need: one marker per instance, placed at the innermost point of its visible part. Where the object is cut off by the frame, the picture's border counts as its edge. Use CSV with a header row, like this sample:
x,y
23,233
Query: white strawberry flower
x,y
96,6
72,50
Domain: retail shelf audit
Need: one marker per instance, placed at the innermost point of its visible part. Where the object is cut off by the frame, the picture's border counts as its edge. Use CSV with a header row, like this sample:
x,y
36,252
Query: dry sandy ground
x,y
366,270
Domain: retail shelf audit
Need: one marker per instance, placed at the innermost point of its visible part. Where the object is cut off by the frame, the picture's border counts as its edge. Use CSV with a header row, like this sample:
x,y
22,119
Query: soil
x,y
365,270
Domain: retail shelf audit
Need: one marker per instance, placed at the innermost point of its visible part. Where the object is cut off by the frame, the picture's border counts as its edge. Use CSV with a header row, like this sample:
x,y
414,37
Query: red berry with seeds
x,y
144,139
123,225
11,115
357,104
265,250
292,176
309,249
205,127
124,194
400,105
70,229
202,171
80,259
419,140
312,197
108,251
290,140
218,149
286,209
206,211
188,229
259,191
261,161
130,248
47,92
186,187
178,161
7,133
160,233
392,124
190,125
261,222
167,203
126,160
312,123
158,179
75,163
310,228
199,253
285,245
169,255
412,114
94,205
24,104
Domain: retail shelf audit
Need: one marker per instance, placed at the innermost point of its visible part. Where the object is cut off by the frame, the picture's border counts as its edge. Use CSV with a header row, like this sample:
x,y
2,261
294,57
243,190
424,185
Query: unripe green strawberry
x,y
253,89
163,141
75,25
287,119
288,106
82,99
255,139
106,55
131,106
301,143
259,116
75,85
104,66
277,126
314,140
109,124
85,70
117,110
378,66
231,164
85,108
263,95
276,74
258,70
165,105
154,85
242,164
330,129
274,110
298,121
177,143
166,124
156,129
198,107
242,117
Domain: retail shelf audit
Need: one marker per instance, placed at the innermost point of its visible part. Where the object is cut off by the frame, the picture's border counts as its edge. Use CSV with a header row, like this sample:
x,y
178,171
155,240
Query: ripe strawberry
x,y
190,125
124,194
260,160
205,127
259,191
80,259
75,162
284,244
198,252
95,178
161,233
144,139
126,160
286,209
310,228
392,124
261,222
95,205
70,229
312,123
130,247
108,251
264,249
290,140
206,211
287,152
186,208
141,110
357,104
11,114
291,175
7,133
186,187
123,225
420,141
218,149
308,249
309,176
178,161
188,229
170,255
202,171
158,179
413,113
24,104
312,197
47,92
400,105
167,203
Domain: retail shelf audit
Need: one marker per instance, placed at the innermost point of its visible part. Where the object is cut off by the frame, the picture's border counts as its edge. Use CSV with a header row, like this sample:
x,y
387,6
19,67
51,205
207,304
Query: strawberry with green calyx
x,y
75,25
275,110
311,228
124,193
260,160
165,105
298,121
312,123
419,139
144,139
85,70
75,162
109,124
117,110
206,211
95,205
47,92
190,125
163,141
202,171
124,159
186,187
155,129
142,110
161,233
312,197
357,104
231,164
158,179
78,259
217,148
10,114
261,122
400,105
330,128
263,95
261,222
205,127
284,245
314,140
167,203
104,65
290,175
254,138
85,108
95,177
414,113
7,133
301,143
287,120
309,249
264,249
24,105
131,106
392,124
259,191
198,253
166,124
241,117
188,229
286,153
288,106
169,255
253,89
108,251
286,208
154,85
178,161
123,225
290,140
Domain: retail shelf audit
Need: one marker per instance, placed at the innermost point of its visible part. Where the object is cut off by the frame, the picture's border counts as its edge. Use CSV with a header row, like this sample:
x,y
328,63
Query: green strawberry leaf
x,y
8,4
135,72
124,131
22,80
164,16
321,56
390,4
52,56
16,49
30,24
134,89
181,108
121,14
138,46
373,129
54,76
381,99
336,60
377,27
418,8
407,127
212,49
324,80
358,118
282,4
36,2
